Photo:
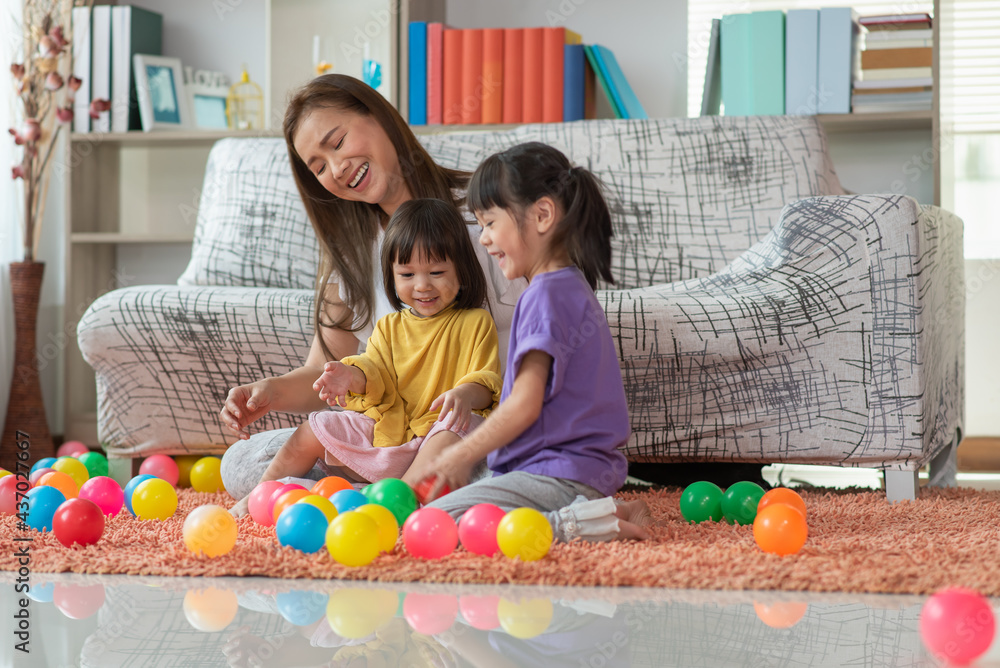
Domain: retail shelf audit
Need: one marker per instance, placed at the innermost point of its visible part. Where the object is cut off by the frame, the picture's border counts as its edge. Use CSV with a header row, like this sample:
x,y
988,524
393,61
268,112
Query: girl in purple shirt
x,y
552,443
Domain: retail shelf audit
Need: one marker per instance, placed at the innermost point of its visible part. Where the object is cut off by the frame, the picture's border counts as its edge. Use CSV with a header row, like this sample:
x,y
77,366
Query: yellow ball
x,y
356,613
388,527
352,539
184,464
210,610
322,503
4,473
154,499
74,468
526,618
206,475
524,533
210,530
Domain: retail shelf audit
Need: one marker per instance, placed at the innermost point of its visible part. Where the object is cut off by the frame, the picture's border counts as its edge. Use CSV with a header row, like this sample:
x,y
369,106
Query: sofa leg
x,y
120,469
901,485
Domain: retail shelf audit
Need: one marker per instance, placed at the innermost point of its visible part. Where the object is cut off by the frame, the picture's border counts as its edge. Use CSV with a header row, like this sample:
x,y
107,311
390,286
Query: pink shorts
x,y
347,437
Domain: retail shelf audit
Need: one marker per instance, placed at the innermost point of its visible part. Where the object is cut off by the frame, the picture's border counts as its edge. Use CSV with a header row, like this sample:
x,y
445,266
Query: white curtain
x,y
10,229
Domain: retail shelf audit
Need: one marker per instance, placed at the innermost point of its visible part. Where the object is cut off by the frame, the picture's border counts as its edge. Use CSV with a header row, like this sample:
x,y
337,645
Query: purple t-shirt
x,y
584,418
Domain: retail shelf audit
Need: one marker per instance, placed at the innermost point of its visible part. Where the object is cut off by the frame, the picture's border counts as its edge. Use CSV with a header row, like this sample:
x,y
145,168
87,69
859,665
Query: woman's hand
x,y
455,409
334,384
245,405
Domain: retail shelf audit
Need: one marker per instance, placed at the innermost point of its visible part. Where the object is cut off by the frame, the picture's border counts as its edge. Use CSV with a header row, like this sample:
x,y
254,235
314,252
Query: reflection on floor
x,y
152,622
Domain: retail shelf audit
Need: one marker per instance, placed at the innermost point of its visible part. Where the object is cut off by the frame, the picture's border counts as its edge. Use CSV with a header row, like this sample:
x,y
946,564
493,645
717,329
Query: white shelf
x,y
149,139
120,238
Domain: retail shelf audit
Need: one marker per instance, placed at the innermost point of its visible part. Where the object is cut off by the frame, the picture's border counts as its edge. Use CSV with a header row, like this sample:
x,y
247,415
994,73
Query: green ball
x,y
701,501
739,503
395,495
96,463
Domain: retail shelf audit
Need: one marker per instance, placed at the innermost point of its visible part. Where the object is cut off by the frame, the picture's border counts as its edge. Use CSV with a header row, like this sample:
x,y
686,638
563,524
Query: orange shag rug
x,y
857,543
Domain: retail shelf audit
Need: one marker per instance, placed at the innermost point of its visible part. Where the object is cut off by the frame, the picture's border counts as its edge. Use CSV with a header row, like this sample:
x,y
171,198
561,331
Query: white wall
x,y
982,354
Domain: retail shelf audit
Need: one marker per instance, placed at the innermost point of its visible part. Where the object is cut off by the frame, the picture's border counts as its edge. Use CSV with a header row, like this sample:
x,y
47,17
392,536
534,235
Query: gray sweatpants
x,y
245,461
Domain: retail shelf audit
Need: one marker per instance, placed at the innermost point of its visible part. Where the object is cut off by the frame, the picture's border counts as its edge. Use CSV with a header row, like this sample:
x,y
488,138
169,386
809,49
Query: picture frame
x,y
159,88
208,106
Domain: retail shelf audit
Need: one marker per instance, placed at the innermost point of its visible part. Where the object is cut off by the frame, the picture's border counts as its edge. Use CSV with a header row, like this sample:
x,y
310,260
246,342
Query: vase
x,y
25,409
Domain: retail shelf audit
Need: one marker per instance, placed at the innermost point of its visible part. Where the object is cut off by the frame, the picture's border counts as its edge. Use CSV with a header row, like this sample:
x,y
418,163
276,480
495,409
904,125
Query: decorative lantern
x,y
245,105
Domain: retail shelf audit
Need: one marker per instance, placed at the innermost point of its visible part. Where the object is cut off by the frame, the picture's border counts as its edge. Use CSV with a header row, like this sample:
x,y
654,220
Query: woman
x,y
355,161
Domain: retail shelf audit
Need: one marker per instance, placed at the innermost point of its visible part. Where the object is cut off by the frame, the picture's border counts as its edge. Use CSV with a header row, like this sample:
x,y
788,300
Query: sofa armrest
x,y
166,356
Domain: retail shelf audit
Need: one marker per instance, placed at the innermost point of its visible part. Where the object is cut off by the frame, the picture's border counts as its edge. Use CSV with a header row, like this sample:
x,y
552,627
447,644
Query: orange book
x,y
451,101
435,73
531,92
883,58
472,76
553,74
493,79
513,74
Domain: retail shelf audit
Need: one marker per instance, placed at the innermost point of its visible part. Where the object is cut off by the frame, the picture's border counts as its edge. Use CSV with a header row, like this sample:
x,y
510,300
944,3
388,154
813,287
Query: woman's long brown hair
x,y
346,230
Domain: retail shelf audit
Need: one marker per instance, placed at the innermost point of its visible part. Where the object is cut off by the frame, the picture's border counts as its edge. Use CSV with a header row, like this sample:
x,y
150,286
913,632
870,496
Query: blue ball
x,y
42,505
130,487
42,593
44,463
302,526
348,499
302,608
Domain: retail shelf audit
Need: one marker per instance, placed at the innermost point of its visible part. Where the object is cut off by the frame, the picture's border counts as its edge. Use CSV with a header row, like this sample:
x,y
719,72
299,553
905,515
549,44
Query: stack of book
x,y
896,64
510,75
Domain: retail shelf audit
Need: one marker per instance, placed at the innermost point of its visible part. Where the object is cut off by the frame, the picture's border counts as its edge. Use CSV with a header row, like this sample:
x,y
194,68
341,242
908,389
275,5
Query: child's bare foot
x,y
241,508
629,531
635,512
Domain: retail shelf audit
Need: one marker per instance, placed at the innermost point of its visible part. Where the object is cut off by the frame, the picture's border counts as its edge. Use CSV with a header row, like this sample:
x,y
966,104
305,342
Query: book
x,y
451,96
897,35
893,83
531,91
590,89
100,63
554,41
133,30
493,79
915,21
472,76
886,58
513,74
621,91
767,62
574,82
894,73
711,94
837,59
882,91
879,45
418,73
81,68
602,77
735,47
924,97
435,73
801,61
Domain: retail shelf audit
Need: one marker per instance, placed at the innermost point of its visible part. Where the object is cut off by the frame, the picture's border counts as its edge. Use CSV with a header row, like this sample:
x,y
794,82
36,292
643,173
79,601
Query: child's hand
x,y
449,470
244,405
455,410
334,384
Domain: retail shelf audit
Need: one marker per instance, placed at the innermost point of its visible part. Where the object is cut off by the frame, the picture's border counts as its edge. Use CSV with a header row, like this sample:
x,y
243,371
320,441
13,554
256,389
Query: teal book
x,y
801,61
767,63
622,92
735,55
838,56
602,78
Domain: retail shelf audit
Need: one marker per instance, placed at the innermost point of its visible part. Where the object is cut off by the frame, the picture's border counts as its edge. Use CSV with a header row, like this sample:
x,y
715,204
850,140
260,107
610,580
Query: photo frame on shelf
x,y
208,106
159,87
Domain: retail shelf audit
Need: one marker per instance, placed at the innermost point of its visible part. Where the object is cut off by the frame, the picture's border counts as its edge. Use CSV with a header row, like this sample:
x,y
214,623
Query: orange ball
x,y
287,499
782,495
782,614
61,481
780,529
330,485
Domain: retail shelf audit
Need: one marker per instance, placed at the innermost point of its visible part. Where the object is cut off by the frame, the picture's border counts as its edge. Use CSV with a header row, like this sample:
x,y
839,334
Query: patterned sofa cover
x,y
762,314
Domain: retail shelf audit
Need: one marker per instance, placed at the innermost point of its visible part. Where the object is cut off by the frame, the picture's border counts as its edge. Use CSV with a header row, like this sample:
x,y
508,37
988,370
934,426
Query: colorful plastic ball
x,y
480,611
61,481
209,530
388,529
184,464
277,494
95,463
72,449
106,493
357,613
42,505
780,529
478,528
782,495
782,614
525,619
424,487
78,601
348,499
74,467
285,500
43,593
321,502
430,533
78,522
8,494
4,473
303,527
259,500
957,625
395,495
330,485
739,502
302,608
130,488
206,475
430,614
701,501
43,463
352,539
161,466
38,474
524,533
210,610
154,500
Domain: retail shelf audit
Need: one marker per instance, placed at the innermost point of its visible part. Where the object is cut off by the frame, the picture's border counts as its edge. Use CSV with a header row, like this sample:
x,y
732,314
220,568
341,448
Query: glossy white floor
x,y
78,620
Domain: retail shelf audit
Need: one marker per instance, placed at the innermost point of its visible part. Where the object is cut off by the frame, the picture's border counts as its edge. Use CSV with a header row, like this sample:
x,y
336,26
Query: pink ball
x,y
259,498
37,475
8,494
78,601
957,625
482,612
478,528
72,449
105,492
430,533
430,614
162,467
276,494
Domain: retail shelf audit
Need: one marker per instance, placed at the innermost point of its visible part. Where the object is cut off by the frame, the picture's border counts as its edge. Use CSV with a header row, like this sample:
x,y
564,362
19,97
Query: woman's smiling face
x,y
351,157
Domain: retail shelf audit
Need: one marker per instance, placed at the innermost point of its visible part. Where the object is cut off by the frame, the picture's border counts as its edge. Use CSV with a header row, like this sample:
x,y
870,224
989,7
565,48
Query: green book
x,y
767,63
735,50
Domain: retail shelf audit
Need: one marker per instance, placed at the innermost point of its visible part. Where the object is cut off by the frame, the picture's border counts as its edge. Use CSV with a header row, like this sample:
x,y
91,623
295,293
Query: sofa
x,y
762,313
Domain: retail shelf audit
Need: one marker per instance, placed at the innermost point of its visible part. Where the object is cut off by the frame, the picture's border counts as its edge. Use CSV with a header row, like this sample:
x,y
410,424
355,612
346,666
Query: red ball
x,y
478,528
424,487
8,493
430,533
78,521
161,466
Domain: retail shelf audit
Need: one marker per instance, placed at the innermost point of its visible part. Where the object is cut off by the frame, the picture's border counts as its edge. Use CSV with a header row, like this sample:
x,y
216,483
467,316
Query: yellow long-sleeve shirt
x,y
410,360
